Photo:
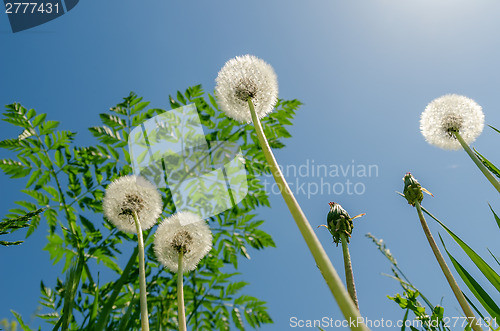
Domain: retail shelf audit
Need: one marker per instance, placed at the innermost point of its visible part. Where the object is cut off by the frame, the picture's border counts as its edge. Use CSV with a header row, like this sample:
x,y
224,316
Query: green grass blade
x,y
405,318
108,307
474,307
486,301
125,319
491,167
487,271
496,216
494,129
71,286
498,262
95,305
58,325
488,322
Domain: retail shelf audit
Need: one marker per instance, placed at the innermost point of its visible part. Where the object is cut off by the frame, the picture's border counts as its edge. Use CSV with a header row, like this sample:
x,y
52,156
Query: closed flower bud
x,y
338,221
412,190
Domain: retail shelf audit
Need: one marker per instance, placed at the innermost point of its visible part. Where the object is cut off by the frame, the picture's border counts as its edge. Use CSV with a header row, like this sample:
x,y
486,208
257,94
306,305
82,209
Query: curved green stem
x,y
142,277
180,295
349,275
349,310
478,162
447,273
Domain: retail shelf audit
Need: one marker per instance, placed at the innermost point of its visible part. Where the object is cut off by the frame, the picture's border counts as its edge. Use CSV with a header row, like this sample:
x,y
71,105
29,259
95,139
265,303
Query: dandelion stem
x,y
324,264
478,162
180,295
349,275
142,276
447,273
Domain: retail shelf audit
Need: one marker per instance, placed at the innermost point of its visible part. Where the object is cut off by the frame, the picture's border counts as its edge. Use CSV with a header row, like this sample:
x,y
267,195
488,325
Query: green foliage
x,y
484,267
10,225
409,303
409,300
488,272
65,183
481,295
19,319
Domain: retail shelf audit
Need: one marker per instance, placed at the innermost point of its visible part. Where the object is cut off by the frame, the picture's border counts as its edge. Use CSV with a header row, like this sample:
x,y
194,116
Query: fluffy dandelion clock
x,y
182,232
242,78
128,195
449,114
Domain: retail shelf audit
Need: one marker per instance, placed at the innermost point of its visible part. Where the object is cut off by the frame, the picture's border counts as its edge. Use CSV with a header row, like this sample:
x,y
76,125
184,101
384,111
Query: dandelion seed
x,y
129,194
182,232
448,114
246,77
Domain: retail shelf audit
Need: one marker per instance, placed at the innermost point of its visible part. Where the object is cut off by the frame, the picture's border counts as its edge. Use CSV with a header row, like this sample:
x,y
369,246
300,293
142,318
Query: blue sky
x,y
364,71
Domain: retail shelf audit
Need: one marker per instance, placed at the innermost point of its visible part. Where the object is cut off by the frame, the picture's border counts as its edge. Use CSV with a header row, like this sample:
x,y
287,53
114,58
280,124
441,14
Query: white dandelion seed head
x,y
450,113
186,232
246,77
128,194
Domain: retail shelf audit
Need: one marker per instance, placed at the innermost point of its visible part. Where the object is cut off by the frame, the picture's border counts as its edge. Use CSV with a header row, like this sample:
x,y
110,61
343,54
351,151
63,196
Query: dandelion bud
x,y
412,190
338,221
